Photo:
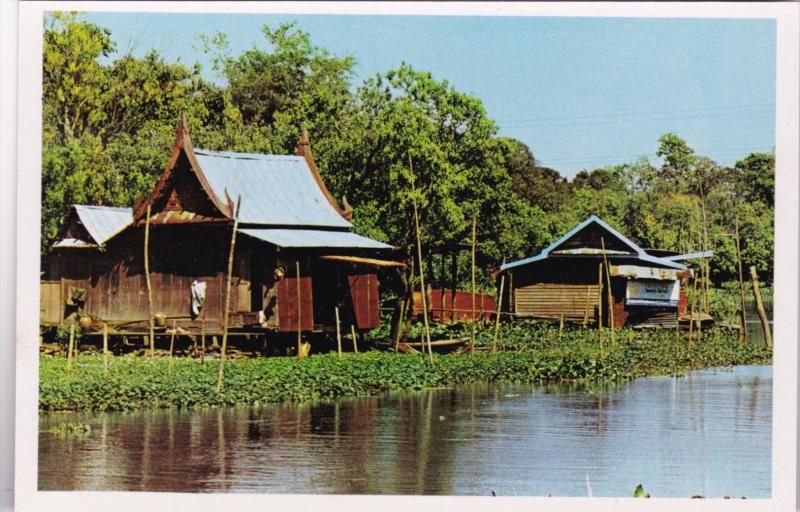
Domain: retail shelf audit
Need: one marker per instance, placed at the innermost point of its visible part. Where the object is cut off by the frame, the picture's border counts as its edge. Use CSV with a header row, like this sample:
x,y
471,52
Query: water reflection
x,y
708,433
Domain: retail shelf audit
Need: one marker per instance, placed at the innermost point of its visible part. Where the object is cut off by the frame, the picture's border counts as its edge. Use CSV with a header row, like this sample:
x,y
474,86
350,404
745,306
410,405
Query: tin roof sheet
x,y
102,222
275,189
308,238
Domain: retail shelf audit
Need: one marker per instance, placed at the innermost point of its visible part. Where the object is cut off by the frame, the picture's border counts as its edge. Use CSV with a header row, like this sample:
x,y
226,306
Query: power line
x,y
650,119
623,114
587,159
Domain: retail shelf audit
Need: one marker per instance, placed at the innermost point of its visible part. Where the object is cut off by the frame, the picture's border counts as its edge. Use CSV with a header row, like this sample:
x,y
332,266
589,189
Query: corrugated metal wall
x,y
551,300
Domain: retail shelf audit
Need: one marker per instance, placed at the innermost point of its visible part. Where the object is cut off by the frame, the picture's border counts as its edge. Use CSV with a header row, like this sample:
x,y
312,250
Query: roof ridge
x,y
242,155
103,207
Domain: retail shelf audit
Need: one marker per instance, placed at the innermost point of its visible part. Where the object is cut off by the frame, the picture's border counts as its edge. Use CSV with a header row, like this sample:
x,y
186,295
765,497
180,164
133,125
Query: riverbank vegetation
x,y
525,355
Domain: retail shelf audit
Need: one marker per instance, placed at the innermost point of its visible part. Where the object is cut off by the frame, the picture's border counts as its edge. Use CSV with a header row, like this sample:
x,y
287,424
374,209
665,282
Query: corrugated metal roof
x,y
308,238
640,253
102,222
275,189
74,243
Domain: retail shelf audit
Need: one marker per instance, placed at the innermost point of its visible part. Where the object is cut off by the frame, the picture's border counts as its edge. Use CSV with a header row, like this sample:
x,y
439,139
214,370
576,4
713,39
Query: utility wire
x,y
582,159
643,113
628,121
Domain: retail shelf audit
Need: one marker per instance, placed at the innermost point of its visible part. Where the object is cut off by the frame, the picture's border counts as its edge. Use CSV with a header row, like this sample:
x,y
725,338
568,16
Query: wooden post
x,y
743,315
600,308
105,348
762,313
69,347
338,332
705,267
586,306
299,312
221,372
453,284
442,288
497,317
691,312
147,281
472,317
421,267
561,327
610,295
172,341
203,341
355,340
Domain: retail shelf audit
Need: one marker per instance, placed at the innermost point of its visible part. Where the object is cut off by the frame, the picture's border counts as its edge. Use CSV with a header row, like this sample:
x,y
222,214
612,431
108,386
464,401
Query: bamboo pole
x,y
610,295
147,281
600,308
338,332
203,341
586,306
743,319
561,327
691,312
299,312
355,339
472,317
497,317
221,372
69,347
172,341
421,267
105,348
762,313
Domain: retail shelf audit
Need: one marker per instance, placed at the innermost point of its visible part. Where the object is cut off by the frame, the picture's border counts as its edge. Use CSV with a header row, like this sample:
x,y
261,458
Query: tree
x,y
756,175
538,186
678,158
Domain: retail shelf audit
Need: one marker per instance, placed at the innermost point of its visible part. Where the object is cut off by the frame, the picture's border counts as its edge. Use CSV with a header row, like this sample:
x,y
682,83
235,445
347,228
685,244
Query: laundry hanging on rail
x,y
198,297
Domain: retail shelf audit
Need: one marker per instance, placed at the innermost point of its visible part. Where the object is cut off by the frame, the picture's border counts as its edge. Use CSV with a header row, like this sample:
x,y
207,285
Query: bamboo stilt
x,y
600,309
355,338
172,341
561,327
203,341
472,317
338,332
743,319
691,313
421,266
497,317
226,310
762,313
610,295
69,347
147,282
105,348
299,312
586,306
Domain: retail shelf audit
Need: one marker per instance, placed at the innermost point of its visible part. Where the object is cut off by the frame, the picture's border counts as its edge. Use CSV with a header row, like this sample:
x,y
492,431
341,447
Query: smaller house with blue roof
x,y
569,280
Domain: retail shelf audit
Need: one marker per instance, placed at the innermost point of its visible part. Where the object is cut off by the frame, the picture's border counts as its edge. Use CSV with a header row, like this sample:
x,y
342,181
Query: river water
x,y
708,434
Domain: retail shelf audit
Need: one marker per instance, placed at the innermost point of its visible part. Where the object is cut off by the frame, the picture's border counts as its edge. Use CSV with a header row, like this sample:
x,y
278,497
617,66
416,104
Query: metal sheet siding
x,y
103,221
314,238
275,189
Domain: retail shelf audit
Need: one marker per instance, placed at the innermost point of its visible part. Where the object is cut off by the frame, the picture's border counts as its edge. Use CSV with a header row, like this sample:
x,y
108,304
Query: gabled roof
x,y
275,189
306,238
636,251
100,222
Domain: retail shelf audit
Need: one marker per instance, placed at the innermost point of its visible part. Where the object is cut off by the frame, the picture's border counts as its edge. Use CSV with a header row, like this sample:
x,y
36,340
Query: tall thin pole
x,y
105,347
69,347
354,337
472,334
147,281
705,267
338,332
172,341
497,316
600,308
221,371
610,295
743,316
299,312
691,312
760,306
419,256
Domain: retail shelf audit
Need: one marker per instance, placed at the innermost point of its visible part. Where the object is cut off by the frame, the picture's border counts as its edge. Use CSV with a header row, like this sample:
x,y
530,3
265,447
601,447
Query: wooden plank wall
x,y
287,304
365,300
50,299
550,300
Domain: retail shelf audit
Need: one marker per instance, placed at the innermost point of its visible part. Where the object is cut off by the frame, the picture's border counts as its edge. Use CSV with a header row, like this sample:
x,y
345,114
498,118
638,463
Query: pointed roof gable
x,y
562,246
95,225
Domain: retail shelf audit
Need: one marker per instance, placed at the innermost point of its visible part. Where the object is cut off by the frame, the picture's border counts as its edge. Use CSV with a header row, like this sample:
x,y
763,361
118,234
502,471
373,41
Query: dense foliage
x,y
529,354
109,120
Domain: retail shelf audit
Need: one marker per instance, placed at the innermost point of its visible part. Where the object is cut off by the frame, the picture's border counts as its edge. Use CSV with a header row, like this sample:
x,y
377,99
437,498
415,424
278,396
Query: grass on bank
x,y
530,353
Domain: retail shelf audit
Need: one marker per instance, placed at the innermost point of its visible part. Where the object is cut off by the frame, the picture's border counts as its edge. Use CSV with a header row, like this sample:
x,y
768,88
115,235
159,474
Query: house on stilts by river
x,y
288,220
567,280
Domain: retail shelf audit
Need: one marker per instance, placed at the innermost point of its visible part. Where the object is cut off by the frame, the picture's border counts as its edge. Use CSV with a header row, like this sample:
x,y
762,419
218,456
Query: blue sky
x,y
580,92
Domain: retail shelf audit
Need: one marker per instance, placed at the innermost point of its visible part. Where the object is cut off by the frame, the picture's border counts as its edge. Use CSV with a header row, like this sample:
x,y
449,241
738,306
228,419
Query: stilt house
x,y
288,219
567,279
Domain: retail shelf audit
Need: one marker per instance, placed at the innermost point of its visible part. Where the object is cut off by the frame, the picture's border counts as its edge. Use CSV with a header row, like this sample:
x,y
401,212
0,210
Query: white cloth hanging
x,y
198,296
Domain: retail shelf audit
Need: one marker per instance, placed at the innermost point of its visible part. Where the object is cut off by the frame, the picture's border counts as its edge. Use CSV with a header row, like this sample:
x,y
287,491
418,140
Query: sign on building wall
x,y
652,292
